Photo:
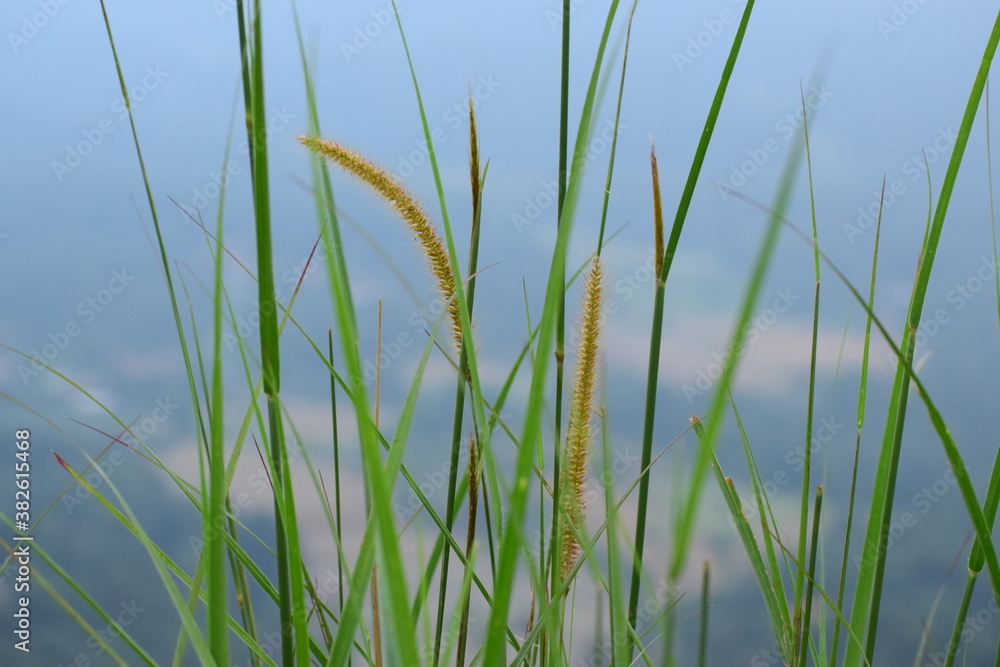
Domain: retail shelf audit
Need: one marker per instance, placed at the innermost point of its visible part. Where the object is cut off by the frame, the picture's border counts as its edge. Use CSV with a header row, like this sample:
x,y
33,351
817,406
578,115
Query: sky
x,y
884,84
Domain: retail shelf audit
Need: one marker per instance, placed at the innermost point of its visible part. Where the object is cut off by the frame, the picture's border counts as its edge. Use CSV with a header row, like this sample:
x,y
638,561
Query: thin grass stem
x,y
865,612
655,339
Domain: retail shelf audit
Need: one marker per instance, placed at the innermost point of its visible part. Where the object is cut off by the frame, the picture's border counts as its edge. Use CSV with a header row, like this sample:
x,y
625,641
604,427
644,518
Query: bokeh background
x,y
885,83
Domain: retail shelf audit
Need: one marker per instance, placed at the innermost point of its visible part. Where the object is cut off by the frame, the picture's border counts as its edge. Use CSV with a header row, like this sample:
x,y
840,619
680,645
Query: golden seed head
x,y
406,205
578,433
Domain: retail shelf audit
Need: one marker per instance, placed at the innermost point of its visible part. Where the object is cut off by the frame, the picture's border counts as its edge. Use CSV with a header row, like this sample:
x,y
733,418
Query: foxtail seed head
x,y
578,433
413,215
657,211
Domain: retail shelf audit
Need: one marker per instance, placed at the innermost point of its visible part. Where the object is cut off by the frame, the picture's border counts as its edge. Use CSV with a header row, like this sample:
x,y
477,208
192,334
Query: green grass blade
x,y
97,637
320,176
813,550
217,491
771,601
294,633
867,600
614,135
685,525
511,540
336,472
656,336
976,561
862,395
813,356
703,622
560,334
617,618
766,515
463,363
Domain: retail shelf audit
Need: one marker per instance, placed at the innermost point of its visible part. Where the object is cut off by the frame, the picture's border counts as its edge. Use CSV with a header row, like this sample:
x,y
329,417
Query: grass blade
x,y
865,611
655,340
771,601
976,561
510,544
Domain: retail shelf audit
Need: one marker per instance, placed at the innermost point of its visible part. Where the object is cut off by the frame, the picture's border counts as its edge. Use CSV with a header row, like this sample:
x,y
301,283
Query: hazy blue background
x,y
885,80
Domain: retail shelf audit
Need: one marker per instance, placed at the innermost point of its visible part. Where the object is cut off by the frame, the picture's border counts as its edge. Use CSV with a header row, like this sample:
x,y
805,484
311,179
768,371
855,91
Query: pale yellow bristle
x,y
413,215
578,433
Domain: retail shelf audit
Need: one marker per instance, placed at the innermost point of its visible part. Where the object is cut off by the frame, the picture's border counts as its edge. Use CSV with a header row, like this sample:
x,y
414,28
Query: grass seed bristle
x,y
578,433
406,205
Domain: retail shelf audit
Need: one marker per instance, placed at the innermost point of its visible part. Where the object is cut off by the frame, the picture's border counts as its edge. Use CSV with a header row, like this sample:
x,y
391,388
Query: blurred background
x,y
884,85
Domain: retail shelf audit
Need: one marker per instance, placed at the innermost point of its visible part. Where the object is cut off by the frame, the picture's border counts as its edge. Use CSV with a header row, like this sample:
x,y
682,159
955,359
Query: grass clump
x,y
493,596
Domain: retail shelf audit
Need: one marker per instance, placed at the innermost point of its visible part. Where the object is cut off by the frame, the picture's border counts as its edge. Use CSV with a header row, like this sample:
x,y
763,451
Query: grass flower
x,y
577,446
413,215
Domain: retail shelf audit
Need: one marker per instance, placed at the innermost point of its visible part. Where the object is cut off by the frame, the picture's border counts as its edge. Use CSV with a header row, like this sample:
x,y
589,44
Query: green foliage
x,y
537,471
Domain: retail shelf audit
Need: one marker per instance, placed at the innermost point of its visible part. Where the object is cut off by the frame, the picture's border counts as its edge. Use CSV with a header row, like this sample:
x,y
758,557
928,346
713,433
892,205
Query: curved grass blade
x,y
976,561
866,607
512,539
685,525
937,421
776,610
862,395
97,637
656,336
129,520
